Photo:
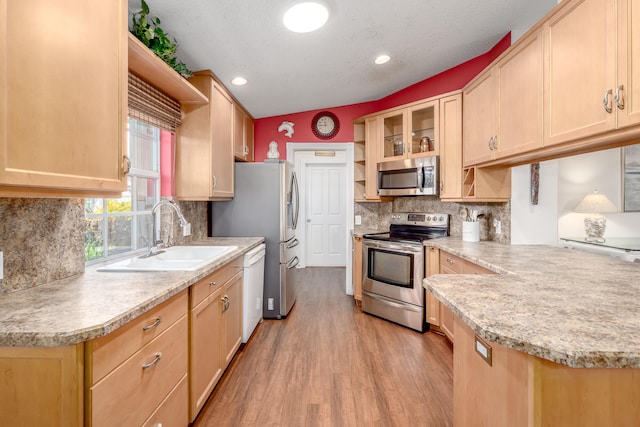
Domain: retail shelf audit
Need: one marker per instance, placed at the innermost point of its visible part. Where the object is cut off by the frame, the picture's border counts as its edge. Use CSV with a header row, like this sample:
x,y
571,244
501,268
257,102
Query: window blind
x,y
148,104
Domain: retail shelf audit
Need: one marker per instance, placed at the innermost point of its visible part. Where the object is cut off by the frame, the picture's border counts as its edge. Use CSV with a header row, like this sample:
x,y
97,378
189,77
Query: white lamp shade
x,y
595,203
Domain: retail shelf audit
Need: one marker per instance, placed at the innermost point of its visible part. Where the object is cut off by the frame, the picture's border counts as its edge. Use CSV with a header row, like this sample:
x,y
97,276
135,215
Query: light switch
x,y
358,219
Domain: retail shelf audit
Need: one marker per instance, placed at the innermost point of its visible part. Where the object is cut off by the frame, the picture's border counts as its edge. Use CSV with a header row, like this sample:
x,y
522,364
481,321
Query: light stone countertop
x,y
573,308
93,304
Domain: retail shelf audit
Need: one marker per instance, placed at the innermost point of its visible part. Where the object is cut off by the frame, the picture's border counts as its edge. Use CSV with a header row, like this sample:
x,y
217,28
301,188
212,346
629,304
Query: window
x,y
117,226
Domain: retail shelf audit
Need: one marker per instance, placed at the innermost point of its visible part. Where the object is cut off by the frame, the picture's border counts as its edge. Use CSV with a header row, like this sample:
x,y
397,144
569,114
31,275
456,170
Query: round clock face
x,y
325,125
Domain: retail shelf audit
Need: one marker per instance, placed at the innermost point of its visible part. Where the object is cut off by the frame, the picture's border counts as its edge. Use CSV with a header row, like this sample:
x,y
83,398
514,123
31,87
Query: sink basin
x,y
175,258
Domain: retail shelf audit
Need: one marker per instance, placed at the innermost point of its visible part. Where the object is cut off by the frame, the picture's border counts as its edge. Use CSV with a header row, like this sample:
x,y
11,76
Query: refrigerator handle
x,y
293,243
296,197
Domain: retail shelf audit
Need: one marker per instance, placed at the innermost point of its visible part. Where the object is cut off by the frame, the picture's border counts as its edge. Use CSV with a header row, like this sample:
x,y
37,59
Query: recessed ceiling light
x,y
239,81
305,17
382,59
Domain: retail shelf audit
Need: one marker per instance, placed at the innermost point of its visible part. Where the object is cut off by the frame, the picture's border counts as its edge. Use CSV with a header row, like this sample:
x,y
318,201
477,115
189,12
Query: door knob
x,y
308,219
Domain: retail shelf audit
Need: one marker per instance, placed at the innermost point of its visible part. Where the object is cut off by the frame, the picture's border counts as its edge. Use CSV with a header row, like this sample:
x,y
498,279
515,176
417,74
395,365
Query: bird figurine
x,y
288,127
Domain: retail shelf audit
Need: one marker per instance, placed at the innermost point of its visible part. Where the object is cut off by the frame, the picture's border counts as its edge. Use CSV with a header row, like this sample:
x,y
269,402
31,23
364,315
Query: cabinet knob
x,y
212,283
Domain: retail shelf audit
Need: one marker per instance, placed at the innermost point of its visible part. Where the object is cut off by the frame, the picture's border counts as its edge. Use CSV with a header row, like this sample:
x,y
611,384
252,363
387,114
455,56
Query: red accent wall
x,y
266,129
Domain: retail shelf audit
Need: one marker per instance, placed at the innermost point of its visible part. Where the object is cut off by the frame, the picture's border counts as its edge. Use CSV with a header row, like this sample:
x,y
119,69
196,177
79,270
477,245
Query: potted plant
x,y
147,29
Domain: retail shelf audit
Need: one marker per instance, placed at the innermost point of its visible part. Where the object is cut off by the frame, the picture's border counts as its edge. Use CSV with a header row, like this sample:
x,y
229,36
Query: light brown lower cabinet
x,y
518,389
216,330
41,386
133,372
357,268
440,262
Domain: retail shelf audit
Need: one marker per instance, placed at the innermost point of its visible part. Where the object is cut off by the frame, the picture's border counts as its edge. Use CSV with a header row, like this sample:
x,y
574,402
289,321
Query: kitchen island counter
x,y
573,308
93,304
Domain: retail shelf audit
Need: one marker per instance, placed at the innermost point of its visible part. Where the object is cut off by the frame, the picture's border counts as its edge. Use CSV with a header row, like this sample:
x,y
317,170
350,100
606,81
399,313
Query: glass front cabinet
x,y
410,132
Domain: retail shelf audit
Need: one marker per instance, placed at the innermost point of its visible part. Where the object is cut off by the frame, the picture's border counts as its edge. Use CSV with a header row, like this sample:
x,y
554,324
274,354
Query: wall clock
x,y
325,125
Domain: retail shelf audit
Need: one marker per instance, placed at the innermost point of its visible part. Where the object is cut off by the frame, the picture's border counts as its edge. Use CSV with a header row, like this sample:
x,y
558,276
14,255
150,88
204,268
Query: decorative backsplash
x,y
42,240
376,215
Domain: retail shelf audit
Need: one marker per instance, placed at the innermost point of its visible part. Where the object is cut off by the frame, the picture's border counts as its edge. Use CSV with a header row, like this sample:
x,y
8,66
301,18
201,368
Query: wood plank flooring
x,y
329,364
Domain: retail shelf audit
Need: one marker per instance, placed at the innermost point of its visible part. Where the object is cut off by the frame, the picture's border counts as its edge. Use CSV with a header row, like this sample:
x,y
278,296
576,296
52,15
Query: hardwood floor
x,y
329,364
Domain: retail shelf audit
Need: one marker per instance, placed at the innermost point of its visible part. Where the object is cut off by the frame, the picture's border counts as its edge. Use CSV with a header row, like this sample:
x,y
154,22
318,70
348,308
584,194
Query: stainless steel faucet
x,y
153,242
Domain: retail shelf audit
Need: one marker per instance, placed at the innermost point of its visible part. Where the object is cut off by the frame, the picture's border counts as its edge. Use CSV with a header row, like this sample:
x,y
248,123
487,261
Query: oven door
x,y
393,270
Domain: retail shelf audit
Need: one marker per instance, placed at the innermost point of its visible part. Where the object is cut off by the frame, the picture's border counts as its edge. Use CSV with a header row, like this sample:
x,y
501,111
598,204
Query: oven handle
x,y
392,246
392,303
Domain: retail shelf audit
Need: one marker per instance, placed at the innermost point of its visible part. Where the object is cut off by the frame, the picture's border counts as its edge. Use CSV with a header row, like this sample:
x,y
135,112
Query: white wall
x,y
563,184
579,176
534,224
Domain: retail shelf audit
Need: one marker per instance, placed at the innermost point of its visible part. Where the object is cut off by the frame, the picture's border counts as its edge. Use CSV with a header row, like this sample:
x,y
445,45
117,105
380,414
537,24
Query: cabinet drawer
x,y
173,411
451,262
105,353
129,394
204,287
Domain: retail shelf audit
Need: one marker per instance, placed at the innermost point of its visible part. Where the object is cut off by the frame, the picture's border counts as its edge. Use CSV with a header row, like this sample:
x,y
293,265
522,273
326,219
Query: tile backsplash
x,y
43,239
376,215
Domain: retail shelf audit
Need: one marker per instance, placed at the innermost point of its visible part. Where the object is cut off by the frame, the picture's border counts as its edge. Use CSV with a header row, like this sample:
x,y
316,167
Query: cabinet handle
x,y
619,97
215,181
154,361
212,283
606,101
126,165
153,325
449,260
495,142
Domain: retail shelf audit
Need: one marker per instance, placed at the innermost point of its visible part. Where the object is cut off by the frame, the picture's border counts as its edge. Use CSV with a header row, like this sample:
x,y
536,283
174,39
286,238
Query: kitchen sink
x,y
175,258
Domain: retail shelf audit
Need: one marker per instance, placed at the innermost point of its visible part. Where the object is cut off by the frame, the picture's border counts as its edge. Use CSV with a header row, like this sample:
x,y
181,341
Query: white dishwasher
x,y
252,290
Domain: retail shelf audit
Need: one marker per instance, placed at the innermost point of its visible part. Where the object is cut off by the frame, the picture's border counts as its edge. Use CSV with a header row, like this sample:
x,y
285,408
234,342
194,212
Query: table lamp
x,y
594,225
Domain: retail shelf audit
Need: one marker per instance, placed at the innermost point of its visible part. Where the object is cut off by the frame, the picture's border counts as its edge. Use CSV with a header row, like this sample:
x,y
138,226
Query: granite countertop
x,y
573,308
361,231
93,304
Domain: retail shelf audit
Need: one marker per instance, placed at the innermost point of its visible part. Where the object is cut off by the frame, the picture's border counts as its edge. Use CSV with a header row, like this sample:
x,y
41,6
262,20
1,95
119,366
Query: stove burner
x,y
414,227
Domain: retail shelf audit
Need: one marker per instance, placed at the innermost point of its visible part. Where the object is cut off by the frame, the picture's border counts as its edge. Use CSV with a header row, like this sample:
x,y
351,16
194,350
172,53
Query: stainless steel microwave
x,y
410,177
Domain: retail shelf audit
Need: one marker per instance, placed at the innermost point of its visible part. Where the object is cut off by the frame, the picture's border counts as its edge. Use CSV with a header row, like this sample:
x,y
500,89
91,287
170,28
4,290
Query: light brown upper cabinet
x,y
204,155
503,111
451,147
63,98
409,132
242,134
594,69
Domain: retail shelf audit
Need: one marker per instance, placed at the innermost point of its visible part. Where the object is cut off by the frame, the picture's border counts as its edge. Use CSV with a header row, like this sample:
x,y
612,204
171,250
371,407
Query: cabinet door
x,y
581,44
450,146
193,147
479,120
520,92
432,263
238,133
63,99
629,61
206,350
357,268
249,139
232,314
393,145
372,138
41,386
423,129
221,144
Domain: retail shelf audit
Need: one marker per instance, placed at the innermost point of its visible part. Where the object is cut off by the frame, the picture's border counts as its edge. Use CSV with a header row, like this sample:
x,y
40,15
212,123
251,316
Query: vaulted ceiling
x,y
292,72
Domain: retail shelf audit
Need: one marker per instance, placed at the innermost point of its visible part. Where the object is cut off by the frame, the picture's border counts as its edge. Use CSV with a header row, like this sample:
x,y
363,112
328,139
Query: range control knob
x,y
429,218
441,218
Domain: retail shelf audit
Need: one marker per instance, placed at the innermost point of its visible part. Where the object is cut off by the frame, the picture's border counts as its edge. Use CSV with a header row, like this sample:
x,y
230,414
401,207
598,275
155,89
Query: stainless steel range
x,y
393,267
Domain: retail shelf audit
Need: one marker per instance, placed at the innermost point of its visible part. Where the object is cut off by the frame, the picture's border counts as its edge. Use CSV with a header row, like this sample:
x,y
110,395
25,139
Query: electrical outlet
x,y
1,266
186,230
498,226
270,304
358,220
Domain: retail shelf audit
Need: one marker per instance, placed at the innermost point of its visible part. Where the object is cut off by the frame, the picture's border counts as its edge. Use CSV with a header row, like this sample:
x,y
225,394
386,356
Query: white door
x,y
325,214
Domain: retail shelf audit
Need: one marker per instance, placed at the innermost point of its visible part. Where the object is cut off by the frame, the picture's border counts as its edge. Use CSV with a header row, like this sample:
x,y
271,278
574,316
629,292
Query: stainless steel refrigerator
x,y
266,203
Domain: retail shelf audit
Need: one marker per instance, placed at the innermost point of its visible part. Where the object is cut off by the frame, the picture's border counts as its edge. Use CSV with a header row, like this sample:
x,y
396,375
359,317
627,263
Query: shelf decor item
x,y
595,224
147,29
